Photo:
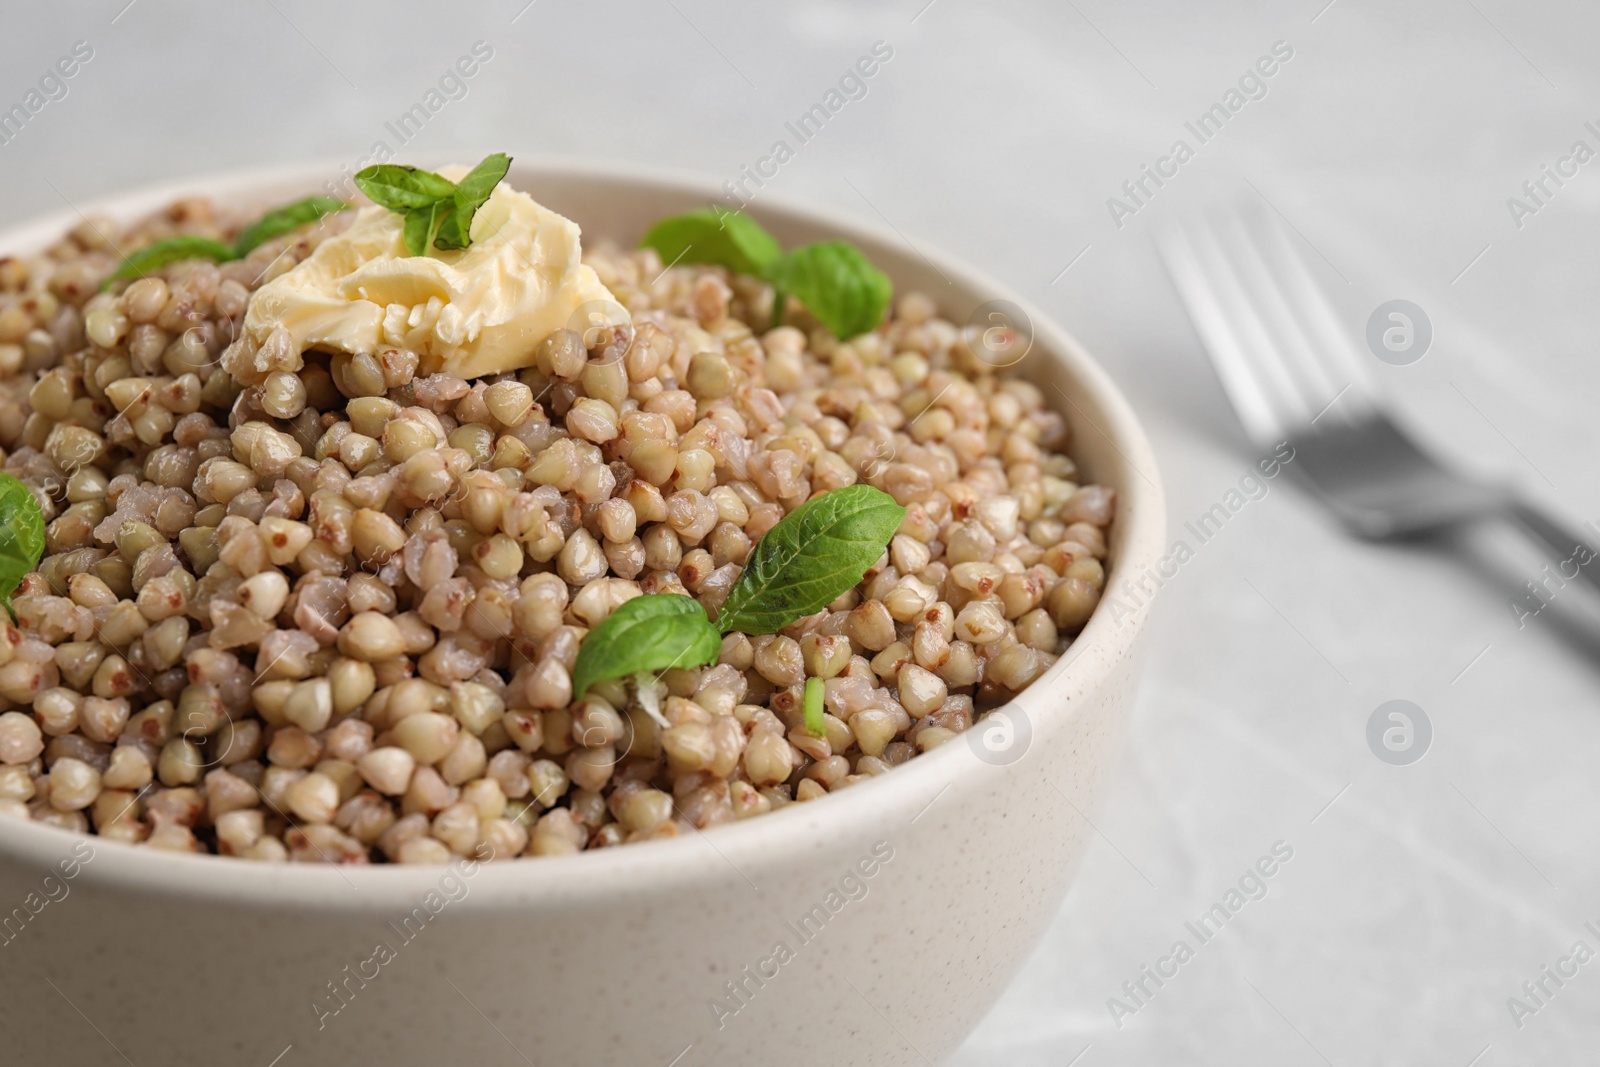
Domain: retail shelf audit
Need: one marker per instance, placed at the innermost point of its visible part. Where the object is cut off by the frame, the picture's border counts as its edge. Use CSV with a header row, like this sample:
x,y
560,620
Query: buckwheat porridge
x,y
330,515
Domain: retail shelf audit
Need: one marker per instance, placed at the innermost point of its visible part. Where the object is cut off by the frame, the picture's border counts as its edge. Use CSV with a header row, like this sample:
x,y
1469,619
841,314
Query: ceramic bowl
x,y
872,926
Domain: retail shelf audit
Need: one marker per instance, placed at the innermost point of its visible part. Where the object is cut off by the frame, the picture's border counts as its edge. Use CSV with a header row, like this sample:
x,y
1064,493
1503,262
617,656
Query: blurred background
x,y
1418,898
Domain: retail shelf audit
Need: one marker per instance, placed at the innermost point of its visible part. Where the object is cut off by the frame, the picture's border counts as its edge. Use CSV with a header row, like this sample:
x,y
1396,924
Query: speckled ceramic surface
x,y
871,927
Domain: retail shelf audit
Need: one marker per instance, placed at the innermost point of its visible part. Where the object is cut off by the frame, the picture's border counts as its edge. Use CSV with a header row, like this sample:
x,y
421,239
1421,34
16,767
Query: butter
x,y
470,312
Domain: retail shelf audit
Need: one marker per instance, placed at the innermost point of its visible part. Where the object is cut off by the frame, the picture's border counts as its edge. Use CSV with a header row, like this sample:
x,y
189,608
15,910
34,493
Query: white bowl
x,y
616,956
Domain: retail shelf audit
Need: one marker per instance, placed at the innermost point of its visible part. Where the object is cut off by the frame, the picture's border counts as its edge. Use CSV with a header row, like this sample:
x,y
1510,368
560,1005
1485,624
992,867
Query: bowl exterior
x,y
872,927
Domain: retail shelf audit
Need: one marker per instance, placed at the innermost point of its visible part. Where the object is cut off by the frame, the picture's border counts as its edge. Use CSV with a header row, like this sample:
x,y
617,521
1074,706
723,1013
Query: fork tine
x,y
1336,348
1266,400
1298,345
1250,402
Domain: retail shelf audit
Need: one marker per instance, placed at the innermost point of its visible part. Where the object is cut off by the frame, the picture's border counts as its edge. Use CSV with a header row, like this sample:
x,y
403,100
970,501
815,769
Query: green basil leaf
x,y
422,224
815,553
728,239
21,535
648,633
816,689
284,220
403,188
165,252
471,192
837,284
780,304
448,238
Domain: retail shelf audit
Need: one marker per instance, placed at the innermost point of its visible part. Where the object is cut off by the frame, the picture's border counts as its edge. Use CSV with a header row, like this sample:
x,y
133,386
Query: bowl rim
x,y
655,865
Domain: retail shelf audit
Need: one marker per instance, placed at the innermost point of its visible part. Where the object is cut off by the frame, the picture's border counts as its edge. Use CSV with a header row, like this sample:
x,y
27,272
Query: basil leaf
x,y
21,535
422,223
171,250
648,633
284,220
448,238
836,283
815,553
816,688
471,192
403,188
729,240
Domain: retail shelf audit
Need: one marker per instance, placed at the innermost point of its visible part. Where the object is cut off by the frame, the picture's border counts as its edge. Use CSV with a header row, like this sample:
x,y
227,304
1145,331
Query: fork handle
x,y
1575,551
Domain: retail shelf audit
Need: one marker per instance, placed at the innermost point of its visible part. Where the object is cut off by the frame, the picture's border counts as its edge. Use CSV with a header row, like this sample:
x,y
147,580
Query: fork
x,y
1294,373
